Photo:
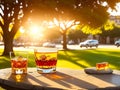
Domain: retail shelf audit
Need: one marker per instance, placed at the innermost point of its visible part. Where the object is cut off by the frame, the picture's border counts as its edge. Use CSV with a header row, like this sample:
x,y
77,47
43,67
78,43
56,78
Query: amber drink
x,y
46,60
19,63
102,66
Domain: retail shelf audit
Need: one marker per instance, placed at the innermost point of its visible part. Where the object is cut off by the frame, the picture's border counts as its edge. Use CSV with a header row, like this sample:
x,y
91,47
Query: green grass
x,y
80,59
77,59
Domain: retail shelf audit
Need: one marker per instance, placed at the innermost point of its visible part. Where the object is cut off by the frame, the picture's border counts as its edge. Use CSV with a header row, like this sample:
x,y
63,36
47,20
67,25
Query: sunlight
x,y
115,12
36,31
64,24
56,22
22,30
104,4
50,24
69,23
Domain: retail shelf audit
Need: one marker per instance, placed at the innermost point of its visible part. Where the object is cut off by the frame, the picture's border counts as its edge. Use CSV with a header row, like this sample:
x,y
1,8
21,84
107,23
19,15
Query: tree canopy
x,y
76,35
92,13
88,12
16,13
113,32
13,14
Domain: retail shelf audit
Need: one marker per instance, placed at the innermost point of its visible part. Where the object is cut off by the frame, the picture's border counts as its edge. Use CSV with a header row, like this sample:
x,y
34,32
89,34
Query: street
x,y
100,46
76,47
72,47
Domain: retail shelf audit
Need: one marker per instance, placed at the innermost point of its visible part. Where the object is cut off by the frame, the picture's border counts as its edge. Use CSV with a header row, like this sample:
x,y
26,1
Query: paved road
x,y
75,47
78,48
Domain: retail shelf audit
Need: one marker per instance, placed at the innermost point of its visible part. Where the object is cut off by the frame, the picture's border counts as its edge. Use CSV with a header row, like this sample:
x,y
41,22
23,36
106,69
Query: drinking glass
x,y
19,61
46,59
102,66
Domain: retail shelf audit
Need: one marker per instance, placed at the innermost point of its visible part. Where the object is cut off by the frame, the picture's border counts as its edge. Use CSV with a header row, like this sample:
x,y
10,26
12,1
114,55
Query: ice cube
x,y
20,58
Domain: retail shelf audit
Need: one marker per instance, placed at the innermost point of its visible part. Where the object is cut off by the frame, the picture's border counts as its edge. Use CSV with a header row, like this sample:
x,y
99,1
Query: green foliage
x,y
76,34
89,12
114,32
88,30
92,17
109,25
43,10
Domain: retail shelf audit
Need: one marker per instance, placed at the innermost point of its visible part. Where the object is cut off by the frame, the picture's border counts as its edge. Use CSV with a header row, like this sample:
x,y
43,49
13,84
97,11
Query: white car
x,y
48,44
117,43
89,43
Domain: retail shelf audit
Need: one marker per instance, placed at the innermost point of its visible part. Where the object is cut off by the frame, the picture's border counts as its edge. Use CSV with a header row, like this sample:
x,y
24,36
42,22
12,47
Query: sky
x,y
115,12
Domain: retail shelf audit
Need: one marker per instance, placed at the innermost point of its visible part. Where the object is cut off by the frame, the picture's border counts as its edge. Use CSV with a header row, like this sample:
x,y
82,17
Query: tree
x,y
76,34
112,32
89,12
66,12
12,13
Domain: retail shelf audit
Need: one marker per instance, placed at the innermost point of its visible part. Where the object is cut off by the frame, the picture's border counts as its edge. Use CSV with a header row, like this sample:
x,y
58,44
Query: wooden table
x,y
63,79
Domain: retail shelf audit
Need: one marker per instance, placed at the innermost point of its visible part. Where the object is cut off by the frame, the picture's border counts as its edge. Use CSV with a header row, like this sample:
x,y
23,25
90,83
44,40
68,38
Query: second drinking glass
x,y
46,60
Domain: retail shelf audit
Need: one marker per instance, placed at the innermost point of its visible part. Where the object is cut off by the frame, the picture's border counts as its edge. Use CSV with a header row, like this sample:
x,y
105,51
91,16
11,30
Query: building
x,y
116,19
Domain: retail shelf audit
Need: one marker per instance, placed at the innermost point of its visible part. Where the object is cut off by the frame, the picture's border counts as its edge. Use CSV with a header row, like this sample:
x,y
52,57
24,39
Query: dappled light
x,y
26,25
104,3
64,24
115,12
79,59
66,13
36,30
22,30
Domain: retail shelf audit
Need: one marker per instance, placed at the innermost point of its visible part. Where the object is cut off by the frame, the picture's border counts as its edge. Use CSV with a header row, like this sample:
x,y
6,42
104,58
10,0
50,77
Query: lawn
x,y
77,59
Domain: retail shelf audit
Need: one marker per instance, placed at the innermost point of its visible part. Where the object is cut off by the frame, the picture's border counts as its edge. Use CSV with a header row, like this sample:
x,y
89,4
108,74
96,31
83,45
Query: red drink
x,y
46,61
102,66
19,65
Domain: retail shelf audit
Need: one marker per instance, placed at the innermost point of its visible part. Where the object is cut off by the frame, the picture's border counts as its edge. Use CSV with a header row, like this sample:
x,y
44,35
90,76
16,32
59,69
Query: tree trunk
x,y
8,44
64,40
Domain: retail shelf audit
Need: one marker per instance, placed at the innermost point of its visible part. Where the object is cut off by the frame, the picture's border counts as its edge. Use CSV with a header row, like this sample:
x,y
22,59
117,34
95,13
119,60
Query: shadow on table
x,y
61,79
37,82
71,82
111,78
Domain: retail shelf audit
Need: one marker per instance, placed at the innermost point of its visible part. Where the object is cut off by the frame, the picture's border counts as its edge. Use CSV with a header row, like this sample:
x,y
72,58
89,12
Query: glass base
x,y
19,70
44,70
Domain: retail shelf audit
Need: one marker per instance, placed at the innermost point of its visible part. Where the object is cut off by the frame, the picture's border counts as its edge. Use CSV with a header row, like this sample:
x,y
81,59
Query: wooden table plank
x,y
63,79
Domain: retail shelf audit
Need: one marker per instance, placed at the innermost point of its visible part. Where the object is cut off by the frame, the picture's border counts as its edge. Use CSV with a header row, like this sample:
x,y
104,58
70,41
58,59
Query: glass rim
x,y
17,54
45,49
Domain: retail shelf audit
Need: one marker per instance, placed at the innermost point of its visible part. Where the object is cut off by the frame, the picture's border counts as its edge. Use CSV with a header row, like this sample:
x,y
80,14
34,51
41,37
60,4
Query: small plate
x,y
93,70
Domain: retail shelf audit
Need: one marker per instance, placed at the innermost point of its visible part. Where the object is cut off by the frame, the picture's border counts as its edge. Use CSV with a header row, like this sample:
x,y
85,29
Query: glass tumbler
x,y
19,61
46,59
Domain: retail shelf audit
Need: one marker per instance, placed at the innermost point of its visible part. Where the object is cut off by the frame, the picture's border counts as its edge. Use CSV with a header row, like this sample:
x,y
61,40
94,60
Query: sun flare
x,y
36,31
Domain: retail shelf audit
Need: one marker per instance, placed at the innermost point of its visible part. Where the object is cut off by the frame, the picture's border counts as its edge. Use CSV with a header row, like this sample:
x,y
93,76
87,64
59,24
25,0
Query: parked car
x,y
48,44
89,43
71,42
18,44
117,43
